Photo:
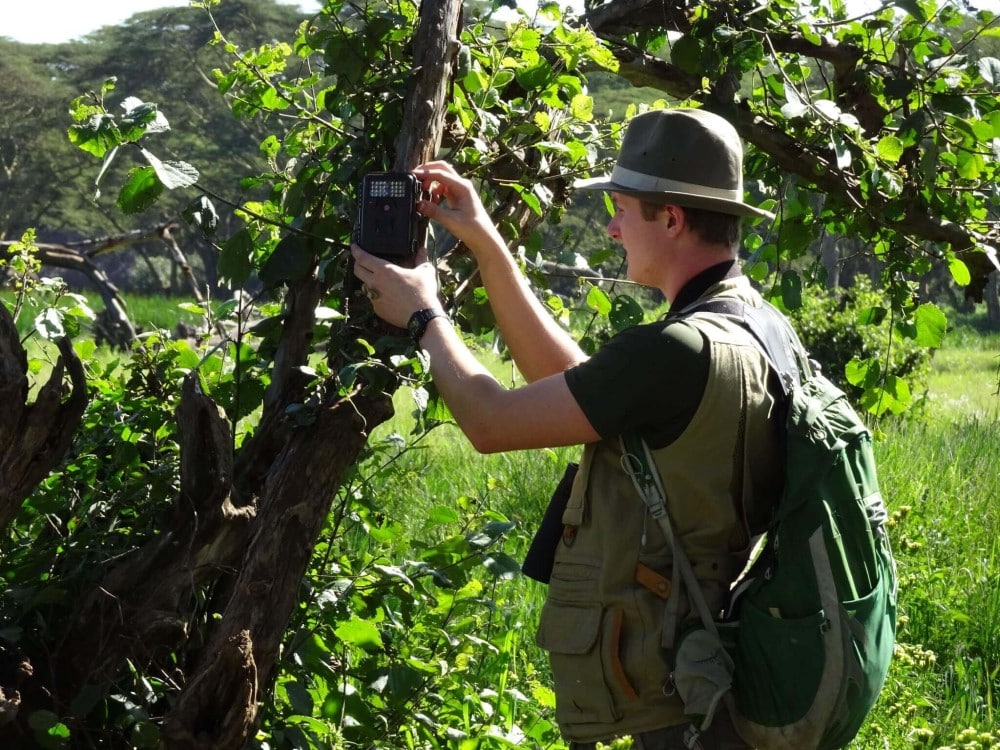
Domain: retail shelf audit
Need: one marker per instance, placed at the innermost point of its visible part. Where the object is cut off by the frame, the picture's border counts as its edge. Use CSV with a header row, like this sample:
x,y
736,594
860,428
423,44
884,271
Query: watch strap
x,y
419,321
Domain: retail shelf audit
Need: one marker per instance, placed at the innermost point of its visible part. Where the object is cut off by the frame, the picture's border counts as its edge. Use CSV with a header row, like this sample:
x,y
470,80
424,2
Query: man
x,y
695,388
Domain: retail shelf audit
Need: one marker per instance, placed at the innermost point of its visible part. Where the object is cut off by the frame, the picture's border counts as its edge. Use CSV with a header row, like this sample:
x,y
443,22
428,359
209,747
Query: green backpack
x,y
801,654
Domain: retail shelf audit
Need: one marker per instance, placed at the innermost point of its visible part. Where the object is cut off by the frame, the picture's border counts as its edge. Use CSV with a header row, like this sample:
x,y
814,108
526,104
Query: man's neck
x,y
689,263
699,283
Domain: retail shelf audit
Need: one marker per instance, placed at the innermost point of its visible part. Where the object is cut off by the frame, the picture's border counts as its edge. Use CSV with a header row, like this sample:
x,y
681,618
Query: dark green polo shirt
x,y
649,378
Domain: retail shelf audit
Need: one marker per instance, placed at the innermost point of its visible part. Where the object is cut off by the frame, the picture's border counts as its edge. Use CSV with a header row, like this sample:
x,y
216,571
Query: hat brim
x,y
691,200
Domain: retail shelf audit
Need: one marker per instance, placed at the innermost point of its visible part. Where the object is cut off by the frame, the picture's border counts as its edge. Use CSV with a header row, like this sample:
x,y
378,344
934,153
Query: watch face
x,y
417,323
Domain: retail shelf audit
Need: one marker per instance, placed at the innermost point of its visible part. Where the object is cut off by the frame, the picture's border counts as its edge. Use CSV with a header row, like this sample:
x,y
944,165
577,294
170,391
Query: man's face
x,y
643,240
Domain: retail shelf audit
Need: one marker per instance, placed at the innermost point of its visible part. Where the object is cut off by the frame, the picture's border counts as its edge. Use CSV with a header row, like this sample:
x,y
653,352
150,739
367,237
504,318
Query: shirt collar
x,y
699,284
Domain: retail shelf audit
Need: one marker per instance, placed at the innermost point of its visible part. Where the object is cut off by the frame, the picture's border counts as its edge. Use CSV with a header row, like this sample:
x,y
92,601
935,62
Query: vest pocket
x,y
580,639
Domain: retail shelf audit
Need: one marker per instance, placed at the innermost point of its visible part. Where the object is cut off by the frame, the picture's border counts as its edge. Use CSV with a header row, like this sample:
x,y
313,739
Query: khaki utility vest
x,y
603,620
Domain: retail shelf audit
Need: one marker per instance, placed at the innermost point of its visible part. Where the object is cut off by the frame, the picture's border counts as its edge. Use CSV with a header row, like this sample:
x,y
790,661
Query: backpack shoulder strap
x,y
772,332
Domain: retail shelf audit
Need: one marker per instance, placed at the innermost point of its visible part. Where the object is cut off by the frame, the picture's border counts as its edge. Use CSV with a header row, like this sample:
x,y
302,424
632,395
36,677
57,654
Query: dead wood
x,y
34,436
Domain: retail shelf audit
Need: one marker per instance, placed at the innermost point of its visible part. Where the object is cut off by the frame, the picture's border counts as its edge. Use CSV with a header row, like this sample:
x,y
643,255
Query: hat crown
x,y
684,145
687,157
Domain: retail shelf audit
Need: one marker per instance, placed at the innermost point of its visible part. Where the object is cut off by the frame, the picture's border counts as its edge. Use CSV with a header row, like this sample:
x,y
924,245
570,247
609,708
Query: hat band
x,y
649,184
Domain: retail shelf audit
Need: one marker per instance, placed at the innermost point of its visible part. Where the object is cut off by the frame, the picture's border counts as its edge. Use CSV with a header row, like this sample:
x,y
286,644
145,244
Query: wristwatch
x,y
417,325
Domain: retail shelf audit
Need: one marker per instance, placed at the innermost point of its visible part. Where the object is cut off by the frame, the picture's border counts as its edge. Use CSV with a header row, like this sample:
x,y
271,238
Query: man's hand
x,y
455,204
396,292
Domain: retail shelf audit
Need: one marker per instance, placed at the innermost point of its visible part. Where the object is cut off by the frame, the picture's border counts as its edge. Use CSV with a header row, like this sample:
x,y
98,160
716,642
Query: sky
x,y
54,21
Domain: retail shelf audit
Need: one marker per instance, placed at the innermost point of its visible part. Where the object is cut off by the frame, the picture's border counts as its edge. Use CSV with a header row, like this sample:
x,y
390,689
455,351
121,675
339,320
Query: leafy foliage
x,y
851,333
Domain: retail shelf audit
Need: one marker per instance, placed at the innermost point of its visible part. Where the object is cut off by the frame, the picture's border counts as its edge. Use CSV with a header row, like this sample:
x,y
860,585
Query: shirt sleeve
x,y
648,378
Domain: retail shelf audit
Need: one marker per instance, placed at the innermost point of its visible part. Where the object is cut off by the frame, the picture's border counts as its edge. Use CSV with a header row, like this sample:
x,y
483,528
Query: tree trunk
x,y
992,296
33,436
139,610
830,258
218,706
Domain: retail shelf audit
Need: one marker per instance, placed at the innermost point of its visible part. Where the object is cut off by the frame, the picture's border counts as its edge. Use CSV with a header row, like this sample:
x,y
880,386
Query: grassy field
x,y
966,375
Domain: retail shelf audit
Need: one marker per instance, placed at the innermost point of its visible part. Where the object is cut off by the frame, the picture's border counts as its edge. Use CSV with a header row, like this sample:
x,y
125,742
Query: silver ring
x,y
371,293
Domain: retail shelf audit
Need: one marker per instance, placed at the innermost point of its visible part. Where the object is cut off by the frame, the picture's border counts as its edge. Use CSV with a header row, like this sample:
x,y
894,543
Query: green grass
x,y
148,313
941,485
965,375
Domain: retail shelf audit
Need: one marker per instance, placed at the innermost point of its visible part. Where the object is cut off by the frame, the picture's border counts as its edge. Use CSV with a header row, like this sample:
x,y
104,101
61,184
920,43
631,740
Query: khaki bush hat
x,y
685,157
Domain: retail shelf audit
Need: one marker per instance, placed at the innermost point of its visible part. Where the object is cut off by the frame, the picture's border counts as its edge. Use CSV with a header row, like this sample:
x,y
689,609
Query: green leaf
x,y
97,135
442,515
791,290
502,565
599,301
41,720
890,148
686,54
193,308
85,349
140,190
913,7
497,529
298,697
173,174
525,39
394,571
140,118
794,106
202,214
625,313
234,258
532,201
871,316
582,107
842,150
895,397
290,260
476,80
535,77
989,69
361,633
317,727
863,373
49,324
959,271
931,325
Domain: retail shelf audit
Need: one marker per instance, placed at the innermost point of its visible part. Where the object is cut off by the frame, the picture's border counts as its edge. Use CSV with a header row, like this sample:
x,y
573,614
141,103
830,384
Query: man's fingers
x,y
428,209
365,261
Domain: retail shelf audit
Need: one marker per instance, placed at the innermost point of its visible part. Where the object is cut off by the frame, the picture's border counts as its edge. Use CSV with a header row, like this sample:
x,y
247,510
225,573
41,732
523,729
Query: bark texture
x,y
34,436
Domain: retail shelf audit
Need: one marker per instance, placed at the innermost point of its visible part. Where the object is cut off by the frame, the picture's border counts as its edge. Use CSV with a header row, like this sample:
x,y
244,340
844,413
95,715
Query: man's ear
x,y
674,217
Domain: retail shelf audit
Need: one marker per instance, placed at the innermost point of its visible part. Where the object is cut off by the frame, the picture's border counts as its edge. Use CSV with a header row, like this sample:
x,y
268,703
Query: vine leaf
x,y
173,174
